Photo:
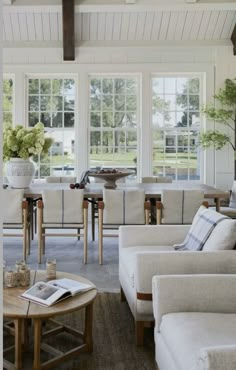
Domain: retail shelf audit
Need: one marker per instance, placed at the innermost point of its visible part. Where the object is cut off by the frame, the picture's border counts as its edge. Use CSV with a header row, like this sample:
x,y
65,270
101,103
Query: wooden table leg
x,y
37,343
88,331
18,343
25,334
217,201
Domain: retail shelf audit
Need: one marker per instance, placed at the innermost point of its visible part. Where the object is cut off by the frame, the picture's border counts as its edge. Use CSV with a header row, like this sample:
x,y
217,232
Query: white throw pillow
x,y
223,237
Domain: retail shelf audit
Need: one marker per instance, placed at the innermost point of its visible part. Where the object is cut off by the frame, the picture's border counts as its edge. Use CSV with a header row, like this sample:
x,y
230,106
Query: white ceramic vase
x,y
20,172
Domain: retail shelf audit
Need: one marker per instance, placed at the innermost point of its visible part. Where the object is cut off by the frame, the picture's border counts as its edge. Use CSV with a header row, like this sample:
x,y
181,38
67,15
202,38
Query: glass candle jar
x,y
18,266
51,265
24,276
10,279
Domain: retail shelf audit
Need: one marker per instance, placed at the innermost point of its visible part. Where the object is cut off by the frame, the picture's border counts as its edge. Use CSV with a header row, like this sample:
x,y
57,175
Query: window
x,y
52,102
113,122
8,101
176,126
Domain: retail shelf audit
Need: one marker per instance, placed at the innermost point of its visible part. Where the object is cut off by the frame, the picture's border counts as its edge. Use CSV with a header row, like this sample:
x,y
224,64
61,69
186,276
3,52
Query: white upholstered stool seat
x,y
62,209
156,179
15,216
120,207
179,206
231,210
61,179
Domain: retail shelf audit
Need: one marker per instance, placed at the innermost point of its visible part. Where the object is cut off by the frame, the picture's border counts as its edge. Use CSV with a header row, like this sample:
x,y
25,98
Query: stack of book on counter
x,y
54,291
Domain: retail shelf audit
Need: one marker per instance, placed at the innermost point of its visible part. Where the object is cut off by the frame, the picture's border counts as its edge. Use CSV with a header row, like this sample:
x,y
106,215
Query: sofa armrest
x,y
149,264
218,358
193,293
133,236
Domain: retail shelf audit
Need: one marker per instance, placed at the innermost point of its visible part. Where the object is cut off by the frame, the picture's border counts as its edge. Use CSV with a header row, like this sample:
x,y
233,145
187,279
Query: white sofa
x,y
145,251
195,322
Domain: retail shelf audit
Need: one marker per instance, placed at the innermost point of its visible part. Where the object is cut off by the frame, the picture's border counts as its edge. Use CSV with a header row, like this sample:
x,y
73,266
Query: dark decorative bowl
x,y
110,178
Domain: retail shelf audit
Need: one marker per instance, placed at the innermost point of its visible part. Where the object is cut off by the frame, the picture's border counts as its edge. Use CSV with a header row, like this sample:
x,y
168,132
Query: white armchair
x,y
195,322
145,251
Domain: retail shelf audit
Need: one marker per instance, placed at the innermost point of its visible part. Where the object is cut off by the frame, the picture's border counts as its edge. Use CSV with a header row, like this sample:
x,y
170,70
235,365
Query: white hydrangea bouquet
x,y
21,142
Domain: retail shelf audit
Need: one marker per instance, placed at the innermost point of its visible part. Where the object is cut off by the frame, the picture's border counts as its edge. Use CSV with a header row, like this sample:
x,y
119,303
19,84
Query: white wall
x,y
215,63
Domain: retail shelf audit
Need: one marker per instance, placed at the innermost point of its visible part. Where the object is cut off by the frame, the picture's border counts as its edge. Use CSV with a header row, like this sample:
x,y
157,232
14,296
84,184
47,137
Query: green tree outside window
x,y
224,113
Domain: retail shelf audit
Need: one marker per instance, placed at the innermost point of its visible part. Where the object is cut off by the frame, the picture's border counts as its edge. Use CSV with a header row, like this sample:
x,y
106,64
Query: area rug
x,y
113,339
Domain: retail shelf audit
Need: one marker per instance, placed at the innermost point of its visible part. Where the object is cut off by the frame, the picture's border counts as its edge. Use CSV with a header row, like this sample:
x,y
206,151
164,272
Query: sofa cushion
x,y
186,333
127,259
223,236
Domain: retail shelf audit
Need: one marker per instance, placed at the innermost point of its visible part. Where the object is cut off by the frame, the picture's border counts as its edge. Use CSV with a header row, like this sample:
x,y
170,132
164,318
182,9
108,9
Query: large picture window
x,y
176,126
113,122
8,101
52,102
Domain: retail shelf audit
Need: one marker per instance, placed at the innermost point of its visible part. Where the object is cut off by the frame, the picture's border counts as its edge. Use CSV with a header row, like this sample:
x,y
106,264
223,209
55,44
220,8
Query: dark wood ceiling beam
x,y
68,18
233,39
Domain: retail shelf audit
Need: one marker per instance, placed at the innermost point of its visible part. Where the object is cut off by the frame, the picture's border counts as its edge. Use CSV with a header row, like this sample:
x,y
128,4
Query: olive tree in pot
x,y
225,113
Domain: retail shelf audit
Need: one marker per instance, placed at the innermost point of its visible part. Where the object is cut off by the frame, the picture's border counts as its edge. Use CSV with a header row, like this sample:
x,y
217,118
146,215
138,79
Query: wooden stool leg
x,y
18,343
85,231
88,331
37,342
93,221
139,333
100,236
25,334
40,231
31,218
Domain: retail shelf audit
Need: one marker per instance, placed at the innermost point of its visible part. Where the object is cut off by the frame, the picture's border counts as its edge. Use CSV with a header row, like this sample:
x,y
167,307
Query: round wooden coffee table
x,y
21,311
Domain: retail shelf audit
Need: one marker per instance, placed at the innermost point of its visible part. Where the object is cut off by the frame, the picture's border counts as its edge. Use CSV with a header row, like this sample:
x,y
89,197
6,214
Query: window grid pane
x,y
175,127
113,122
52,102
8,102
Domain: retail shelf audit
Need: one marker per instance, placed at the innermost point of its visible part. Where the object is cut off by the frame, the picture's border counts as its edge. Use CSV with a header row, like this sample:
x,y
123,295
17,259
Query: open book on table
x,y
54,291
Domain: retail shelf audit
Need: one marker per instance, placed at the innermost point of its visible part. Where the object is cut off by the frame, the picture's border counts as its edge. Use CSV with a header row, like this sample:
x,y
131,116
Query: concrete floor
x,y
68,252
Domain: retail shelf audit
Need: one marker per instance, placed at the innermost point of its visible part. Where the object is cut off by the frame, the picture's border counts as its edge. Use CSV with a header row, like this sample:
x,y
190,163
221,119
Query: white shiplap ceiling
x,y
116,23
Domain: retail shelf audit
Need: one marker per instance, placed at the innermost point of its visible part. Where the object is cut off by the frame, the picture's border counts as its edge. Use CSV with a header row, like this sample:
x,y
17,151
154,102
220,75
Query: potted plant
x,y
224,113
19,145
